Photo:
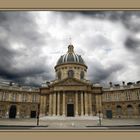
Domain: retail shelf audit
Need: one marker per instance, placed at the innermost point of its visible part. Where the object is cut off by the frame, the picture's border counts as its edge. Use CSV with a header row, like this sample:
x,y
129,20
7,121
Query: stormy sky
x,y
32,42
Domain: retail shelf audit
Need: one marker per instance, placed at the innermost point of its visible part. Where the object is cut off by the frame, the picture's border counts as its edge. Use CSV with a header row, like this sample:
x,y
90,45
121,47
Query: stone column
x,y
64,104
98,103
18,110
90,104
54,104
7,112
9,97
76,104
58,104
44,107
86,104
41,105
82,105
50,104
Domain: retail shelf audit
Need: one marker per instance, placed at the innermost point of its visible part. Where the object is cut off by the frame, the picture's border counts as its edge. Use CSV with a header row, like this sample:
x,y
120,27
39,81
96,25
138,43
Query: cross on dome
x,y
70,47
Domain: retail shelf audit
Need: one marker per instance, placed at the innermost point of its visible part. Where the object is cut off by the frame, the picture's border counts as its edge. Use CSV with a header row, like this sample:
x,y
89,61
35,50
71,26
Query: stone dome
x,y
70,57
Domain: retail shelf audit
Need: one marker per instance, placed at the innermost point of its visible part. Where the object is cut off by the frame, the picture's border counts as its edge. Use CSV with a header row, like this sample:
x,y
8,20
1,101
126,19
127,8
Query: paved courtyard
x,y
69,123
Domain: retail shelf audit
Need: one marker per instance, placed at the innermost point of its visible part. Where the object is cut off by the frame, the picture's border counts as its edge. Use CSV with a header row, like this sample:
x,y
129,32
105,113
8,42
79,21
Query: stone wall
x,y
75,67
123,102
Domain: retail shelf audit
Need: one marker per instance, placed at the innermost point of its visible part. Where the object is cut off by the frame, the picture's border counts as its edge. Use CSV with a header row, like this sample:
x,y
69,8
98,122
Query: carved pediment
x,y
71,82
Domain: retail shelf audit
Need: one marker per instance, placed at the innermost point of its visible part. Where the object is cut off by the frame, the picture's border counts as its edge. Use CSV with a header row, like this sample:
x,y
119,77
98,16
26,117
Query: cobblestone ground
x,y
52,124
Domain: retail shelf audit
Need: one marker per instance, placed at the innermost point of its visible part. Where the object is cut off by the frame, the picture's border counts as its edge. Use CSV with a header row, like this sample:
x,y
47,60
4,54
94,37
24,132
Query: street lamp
x,y
99,117
38,112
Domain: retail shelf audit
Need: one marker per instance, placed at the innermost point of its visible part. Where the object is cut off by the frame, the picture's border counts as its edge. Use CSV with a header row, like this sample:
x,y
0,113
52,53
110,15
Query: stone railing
x,y
134,86
15,88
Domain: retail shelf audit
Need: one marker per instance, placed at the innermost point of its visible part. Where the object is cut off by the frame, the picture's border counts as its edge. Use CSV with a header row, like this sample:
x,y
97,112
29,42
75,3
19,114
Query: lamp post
x,y
99,117
38,112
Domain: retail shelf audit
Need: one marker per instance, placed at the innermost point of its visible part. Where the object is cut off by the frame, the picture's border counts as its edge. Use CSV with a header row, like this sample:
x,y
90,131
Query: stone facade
x,y
18,102
70,95
63,71
122,101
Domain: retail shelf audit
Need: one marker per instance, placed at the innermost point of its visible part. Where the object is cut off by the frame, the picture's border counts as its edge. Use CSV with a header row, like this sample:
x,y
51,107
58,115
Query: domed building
x,y
71,94
71,65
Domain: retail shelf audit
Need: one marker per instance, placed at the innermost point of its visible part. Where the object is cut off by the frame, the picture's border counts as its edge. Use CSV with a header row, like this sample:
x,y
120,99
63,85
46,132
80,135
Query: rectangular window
x,y
4,96
128,95
24,97
117,98
138,94
1,96
108,97
34,98
14,97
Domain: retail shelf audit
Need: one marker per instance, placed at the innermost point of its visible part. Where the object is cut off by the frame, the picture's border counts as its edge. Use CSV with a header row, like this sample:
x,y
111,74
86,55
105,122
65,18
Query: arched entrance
x,y
12,111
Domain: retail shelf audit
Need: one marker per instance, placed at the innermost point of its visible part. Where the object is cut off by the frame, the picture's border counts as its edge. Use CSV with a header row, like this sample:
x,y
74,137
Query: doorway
x,y
12,112
33,114
70,110
109,114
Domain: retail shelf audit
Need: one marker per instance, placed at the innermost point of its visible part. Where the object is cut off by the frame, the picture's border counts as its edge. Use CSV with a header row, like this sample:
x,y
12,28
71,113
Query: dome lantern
x,y
71,57
70,49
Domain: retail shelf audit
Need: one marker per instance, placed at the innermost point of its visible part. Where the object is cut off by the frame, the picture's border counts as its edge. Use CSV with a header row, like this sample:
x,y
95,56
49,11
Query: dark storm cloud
x,y
20,27
27,65
99,74
67,15
128,18
133,46
132,43
5,54
125,25
18,64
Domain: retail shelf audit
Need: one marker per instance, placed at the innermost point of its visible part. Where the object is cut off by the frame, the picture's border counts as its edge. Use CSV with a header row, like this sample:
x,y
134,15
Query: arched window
x,y
70,73
59,75
82,75
129,110
12,111
119,110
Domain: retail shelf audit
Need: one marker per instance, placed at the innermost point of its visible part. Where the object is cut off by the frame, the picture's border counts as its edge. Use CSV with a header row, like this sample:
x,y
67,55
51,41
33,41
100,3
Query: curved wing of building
x,y
70,95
